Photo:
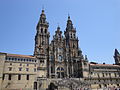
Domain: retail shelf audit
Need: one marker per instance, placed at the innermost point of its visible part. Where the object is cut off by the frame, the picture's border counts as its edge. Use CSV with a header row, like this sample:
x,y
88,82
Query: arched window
x,y
62,69
60,72
45,30
58,68
74,35
71,35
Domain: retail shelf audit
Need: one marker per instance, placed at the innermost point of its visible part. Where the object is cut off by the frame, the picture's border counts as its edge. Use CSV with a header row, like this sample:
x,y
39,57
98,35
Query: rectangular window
x,y
19,77
10,68
20,69
27,69
10,63
27,78
34,69
9,77
3,77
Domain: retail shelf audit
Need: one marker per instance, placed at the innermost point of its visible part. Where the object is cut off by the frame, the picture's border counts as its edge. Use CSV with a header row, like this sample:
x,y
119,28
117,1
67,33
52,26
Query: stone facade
x,y
62,57
59,63
104,75
17,71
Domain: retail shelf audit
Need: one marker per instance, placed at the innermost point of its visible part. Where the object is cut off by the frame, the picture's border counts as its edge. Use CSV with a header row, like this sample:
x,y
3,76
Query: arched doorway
x,y
52,86
60,72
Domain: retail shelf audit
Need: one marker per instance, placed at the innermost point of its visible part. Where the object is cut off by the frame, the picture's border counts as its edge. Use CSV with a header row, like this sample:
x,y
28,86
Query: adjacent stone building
x,y
59,61
17,71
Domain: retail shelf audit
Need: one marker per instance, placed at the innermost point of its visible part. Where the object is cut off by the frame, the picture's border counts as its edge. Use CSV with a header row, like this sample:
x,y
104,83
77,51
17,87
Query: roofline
x,y
19,55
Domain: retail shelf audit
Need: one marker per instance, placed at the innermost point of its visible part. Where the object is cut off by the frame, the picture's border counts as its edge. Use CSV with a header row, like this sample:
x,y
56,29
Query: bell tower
x,y
41,50
71,39
73,55
42,36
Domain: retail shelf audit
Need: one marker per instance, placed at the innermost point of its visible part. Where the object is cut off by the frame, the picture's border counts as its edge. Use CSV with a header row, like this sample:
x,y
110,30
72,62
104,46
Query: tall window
x,y
19,77
35,85
45,30
9,77
27,77
3,77
60,72
71,35
41,30
74,35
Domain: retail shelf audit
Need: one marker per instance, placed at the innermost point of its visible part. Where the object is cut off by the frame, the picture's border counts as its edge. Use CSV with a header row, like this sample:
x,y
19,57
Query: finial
x,y
68,16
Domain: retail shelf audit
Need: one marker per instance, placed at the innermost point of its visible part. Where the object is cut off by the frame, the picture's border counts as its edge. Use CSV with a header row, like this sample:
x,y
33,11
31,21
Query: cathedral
x,y
62,56
57,64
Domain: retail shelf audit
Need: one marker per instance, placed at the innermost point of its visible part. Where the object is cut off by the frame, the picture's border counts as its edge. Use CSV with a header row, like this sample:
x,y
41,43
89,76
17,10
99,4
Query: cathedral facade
x,y
59,61
62,56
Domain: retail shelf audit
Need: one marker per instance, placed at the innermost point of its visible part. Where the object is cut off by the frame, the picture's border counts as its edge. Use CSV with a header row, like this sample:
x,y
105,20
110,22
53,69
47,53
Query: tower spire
x,y
68,16
116,52
42,39
41,51
42,20
69,23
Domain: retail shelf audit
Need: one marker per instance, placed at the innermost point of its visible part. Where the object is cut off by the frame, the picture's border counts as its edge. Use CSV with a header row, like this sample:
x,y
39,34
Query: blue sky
x,y
97,23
